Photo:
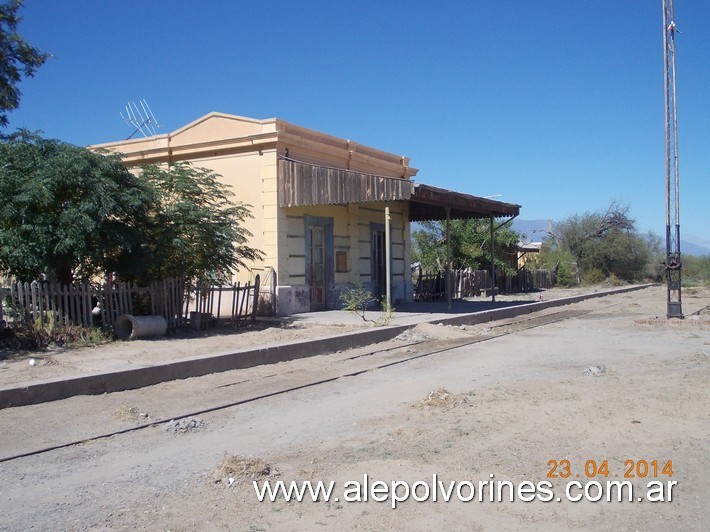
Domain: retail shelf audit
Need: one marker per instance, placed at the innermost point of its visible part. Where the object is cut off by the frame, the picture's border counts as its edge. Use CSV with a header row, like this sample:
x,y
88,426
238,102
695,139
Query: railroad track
x,y
375,359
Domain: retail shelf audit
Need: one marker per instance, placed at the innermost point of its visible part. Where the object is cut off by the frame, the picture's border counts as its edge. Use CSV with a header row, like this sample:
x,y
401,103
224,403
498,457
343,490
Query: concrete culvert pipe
x,y
129,327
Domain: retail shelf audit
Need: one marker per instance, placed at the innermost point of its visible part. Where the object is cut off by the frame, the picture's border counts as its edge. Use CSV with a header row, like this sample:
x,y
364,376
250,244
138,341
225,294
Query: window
x,y
341,261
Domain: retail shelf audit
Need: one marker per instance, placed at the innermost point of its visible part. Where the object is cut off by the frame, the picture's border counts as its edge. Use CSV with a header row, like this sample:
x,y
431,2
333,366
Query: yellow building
x,y
318,203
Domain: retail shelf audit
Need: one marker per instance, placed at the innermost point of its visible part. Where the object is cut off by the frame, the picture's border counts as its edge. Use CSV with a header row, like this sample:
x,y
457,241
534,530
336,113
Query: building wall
x,y
352,234
251,178
245,153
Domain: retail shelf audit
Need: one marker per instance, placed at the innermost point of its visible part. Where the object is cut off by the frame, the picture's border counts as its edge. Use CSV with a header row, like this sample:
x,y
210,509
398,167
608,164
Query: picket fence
x,y
60,305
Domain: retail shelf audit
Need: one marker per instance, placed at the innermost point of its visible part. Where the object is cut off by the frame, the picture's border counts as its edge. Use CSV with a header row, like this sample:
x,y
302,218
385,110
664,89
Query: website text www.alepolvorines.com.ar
x,y
483,491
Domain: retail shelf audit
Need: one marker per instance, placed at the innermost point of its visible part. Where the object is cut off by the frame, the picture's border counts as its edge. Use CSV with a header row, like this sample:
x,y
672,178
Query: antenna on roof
x,y
141,118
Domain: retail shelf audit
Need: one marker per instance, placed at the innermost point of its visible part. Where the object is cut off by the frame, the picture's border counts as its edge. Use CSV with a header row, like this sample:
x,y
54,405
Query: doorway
x,y
317,267
319,261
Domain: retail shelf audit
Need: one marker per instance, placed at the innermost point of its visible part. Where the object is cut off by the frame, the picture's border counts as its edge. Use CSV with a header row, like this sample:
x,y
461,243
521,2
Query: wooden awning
x,y
307,184
430,203
302,184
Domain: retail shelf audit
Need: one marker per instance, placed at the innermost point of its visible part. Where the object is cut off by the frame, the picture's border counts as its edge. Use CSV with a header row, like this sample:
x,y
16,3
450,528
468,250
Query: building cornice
x,y
275,134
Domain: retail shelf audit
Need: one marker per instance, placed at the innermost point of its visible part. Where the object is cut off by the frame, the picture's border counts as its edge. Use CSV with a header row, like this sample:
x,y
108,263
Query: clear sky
x,y
556,105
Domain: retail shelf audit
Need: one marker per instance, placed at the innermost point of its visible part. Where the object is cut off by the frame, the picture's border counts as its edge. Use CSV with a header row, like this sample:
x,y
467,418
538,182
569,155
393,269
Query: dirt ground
x,y
612,384
53,363
59,362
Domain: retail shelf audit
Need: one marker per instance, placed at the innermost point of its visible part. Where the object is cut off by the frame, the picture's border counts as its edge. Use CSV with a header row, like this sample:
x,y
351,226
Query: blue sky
x,y
556,105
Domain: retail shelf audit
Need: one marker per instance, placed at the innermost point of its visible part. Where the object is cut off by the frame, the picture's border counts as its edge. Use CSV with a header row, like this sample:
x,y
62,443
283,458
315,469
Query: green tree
x,y
18,59
67,213
195,228
470,244
604,243
696,270
657,251
559,260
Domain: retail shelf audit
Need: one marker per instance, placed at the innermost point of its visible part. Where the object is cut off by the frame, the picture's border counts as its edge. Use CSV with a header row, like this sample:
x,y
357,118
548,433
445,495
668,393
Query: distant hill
x,y
690,248
533,230
536,231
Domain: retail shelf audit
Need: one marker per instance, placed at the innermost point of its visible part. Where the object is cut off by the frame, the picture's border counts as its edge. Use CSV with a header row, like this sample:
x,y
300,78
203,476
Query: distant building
x,y
525,252
318,203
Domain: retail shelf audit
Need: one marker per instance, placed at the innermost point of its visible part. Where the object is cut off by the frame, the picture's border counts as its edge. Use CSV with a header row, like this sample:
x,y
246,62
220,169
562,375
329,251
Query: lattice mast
x,y
673,264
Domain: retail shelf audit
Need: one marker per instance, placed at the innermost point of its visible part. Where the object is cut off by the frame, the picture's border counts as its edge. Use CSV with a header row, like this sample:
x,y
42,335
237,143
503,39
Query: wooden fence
x,y
235,303
428,286
474,283
539,279
57,305
267,293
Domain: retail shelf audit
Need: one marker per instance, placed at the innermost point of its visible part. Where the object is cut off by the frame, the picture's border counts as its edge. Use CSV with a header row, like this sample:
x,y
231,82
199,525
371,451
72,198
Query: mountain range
x,y
537,231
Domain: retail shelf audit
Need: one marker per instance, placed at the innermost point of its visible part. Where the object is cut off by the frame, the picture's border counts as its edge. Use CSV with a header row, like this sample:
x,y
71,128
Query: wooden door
x,y
317,274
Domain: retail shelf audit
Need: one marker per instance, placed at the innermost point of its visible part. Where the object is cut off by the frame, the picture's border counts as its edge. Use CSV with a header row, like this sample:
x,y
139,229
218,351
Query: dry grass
x,y
406,433
441,398
127,413
235,467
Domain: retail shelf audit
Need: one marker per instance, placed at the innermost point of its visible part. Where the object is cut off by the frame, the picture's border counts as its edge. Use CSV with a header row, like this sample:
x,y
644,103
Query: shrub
x,y
566,274
37,337
593,276
356,298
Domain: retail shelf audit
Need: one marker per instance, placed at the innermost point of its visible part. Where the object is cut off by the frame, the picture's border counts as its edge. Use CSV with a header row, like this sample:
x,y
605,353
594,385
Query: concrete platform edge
x,y
134,378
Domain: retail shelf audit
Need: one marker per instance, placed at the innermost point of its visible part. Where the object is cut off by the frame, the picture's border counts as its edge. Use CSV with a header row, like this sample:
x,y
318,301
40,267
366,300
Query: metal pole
x,y
493,263
388,283
448,257
673,263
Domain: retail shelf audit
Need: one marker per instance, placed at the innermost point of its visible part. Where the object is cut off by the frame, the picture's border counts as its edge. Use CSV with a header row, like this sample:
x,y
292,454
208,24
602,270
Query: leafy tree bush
x,y
18,59
560,261
566,273
605,243
594,276
470,245
195,228
696,270
69,213
654,268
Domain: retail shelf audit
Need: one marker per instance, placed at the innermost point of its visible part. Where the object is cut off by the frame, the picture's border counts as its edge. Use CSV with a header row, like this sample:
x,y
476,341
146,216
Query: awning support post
x,y
493,263
388,273
448,257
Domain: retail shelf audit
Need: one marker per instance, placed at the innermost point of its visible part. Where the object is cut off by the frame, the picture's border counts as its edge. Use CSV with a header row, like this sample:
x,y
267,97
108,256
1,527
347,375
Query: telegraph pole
x,y
673,264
